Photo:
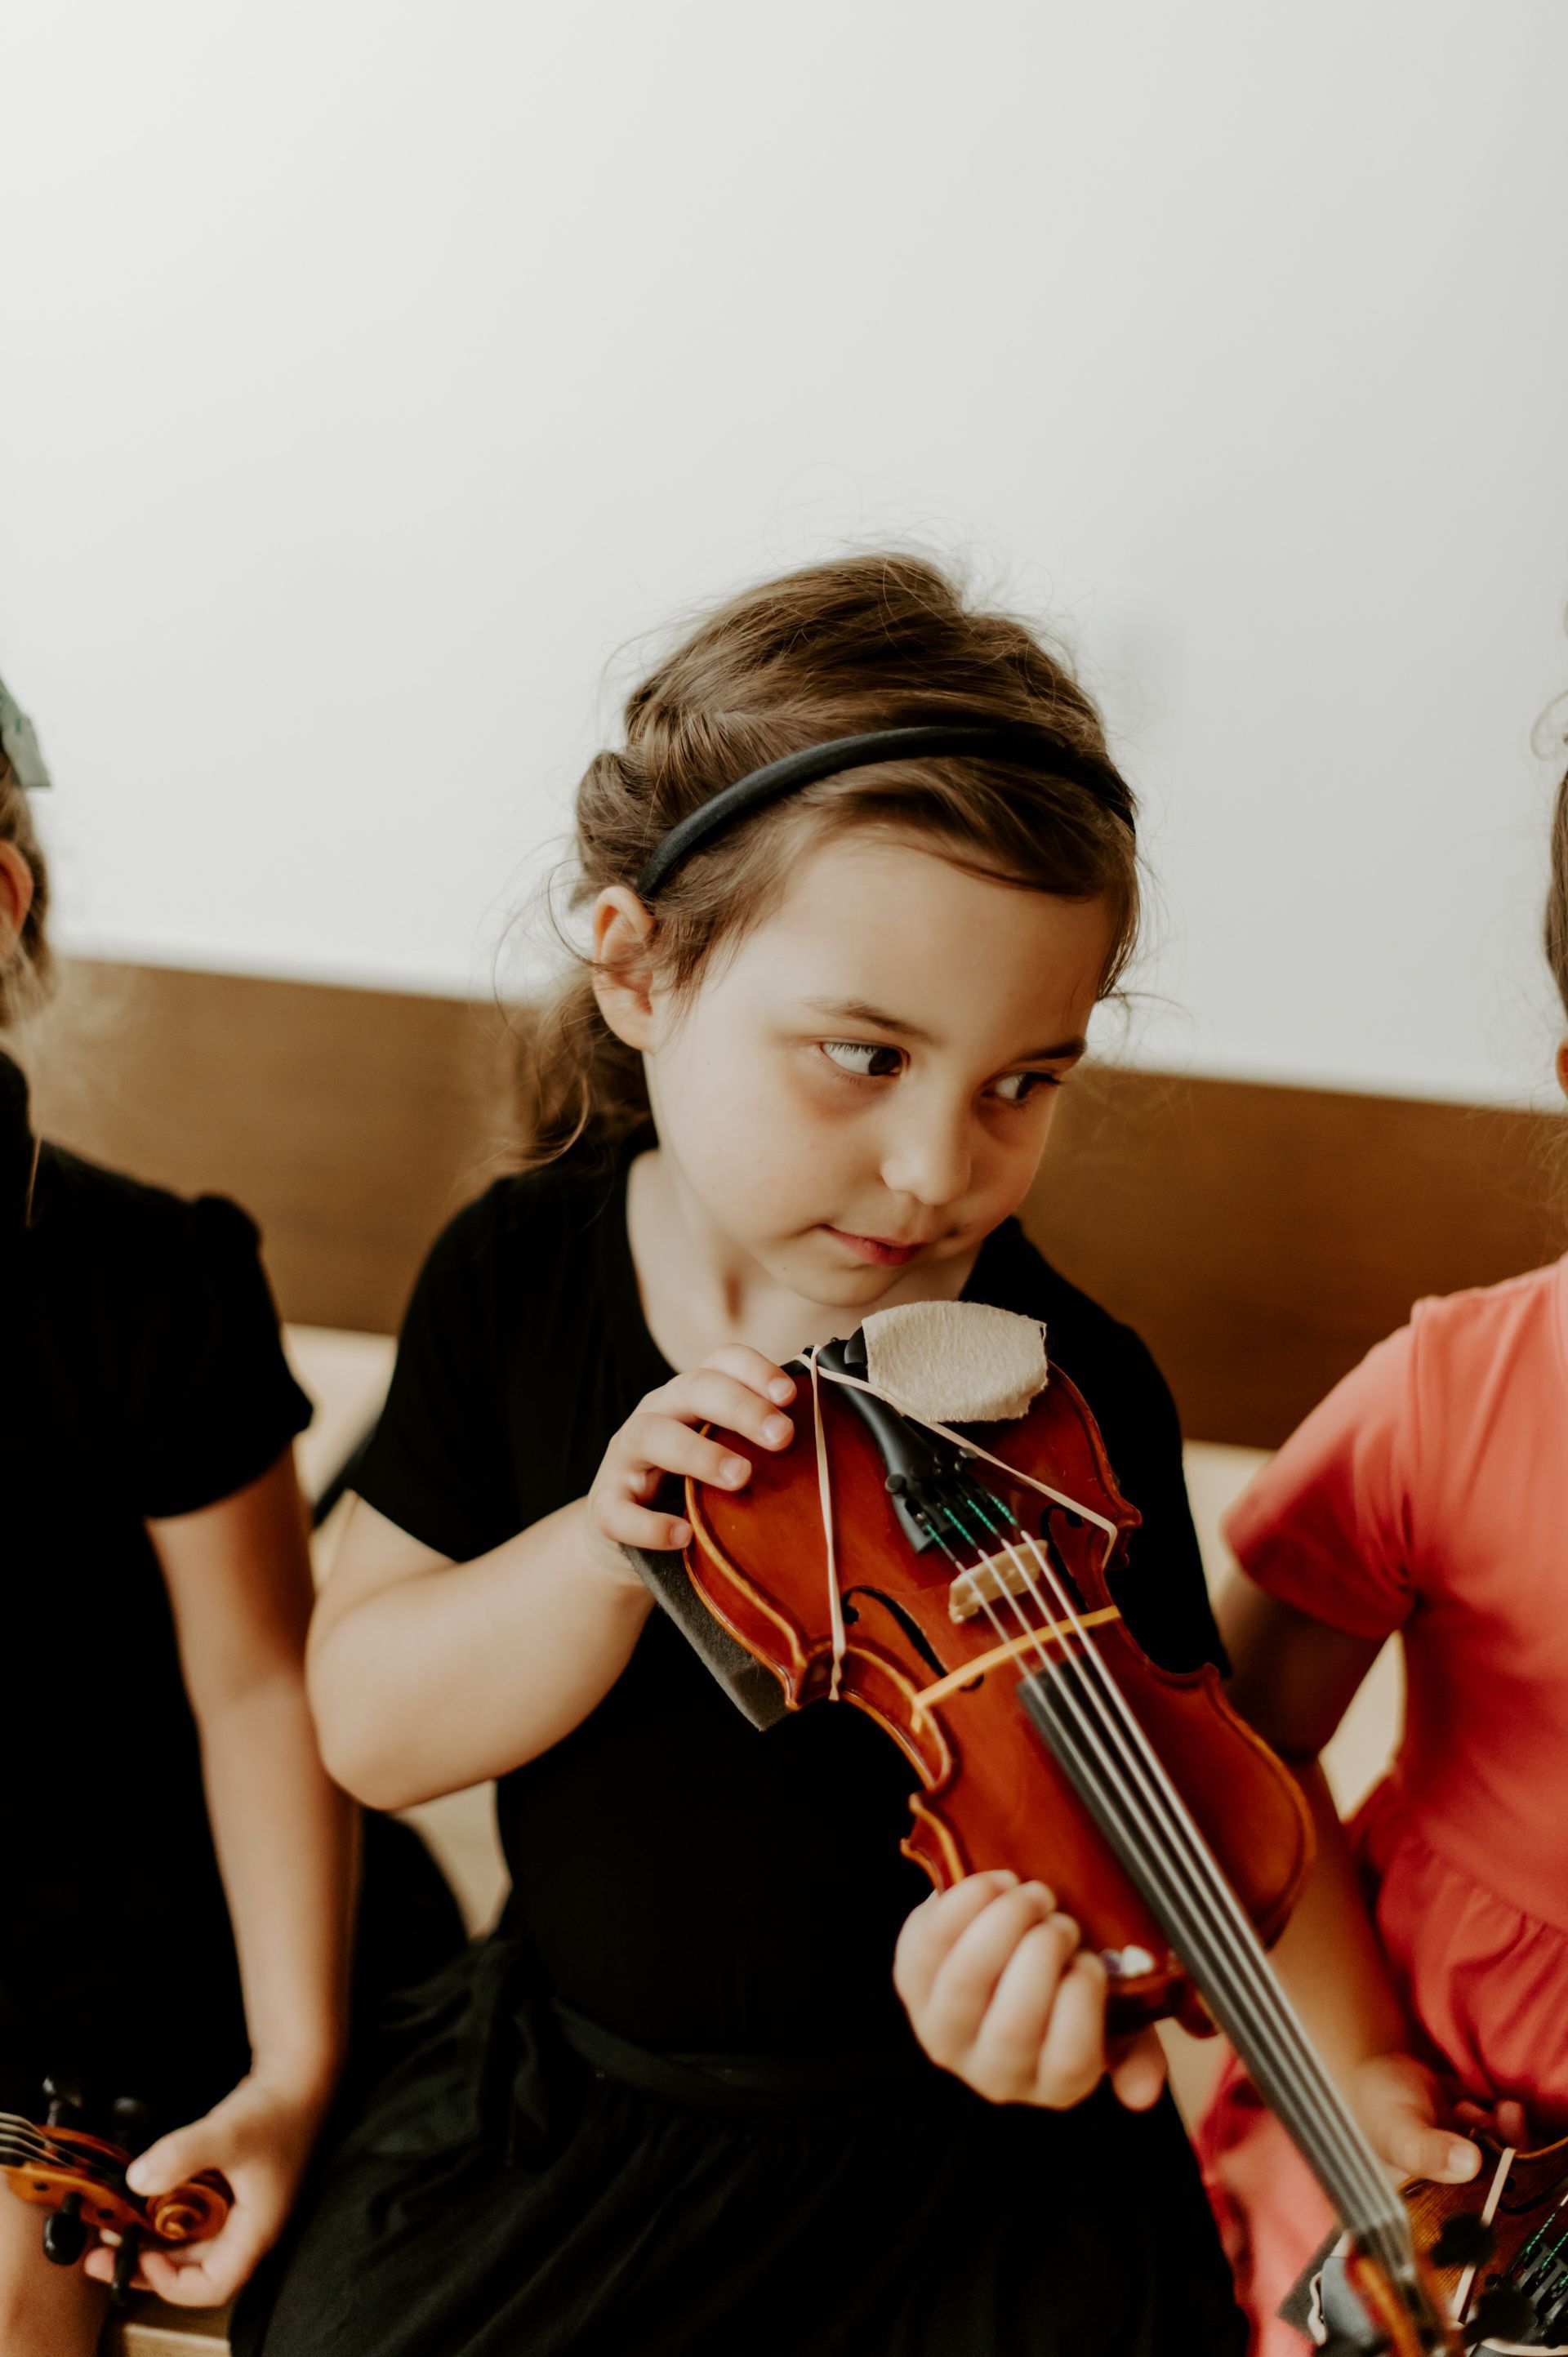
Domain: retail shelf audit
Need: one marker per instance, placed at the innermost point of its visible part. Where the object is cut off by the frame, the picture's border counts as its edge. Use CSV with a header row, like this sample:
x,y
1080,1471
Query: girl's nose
x,y
929,1158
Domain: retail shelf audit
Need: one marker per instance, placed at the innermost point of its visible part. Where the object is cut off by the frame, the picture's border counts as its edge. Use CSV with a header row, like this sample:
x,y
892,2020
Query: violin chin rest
x,y
753,1689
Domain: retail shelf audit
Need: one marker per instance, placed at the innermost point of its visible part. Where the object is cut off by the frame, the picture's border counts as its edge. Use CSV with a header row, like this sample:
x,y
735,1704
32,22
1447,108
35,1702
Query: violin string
x,y
1174,1895
1177,1845
36,2150
1351,2166
1238,1947
1285,2039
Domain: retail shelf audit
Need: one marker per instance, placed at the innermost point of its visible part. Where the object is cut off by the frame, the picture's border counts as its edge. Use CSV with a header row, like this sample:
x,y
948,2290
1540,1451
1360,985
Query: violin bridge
x,y
994,1575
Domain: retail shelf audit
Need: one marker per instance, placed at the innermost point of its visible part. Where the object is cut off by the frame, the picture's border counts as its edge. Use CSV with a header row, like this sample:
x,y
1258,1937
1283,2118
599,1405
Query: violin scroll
x,y
79,2181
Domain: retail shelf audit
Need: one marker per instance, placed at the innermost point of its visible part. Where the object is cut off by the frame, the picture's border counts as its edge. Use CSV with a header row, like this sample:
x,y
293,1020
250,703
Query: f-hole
x,y
906,1621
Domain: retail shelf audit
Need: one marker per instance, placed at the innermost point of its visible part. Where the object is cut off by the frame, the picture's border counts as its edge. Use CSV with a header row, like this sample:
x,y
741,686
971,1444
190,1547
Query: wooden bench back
x,y
1260,1238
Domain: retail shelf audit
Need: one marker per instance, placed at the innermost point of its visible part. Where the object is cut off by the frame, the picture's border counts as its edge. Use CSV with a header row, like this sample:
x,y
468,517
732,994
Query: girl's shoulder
x,y
83,1206
1104,1357
145,1266
1493,1332
524,1231
153,1333
1380,1495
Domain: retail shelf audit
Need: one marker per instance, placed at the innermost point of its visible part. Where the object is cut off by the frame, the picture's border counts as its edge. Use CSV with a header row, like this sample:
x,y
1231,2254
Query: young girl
x,y
176,1862
1428,1494
673,2105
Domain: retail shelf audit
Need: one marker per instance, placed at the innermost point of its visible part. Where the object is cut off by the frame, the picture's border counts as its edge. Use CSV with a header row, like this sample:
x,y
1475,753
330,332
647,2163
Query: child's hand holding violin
x,y
1000,1993
259,2138
736,1389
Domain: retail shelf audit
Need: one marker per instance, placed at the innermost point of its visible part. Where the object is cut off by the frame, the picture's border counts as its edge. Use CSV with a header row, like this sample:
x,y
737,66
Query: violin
x,y
1506,2265
80,2181
957,1583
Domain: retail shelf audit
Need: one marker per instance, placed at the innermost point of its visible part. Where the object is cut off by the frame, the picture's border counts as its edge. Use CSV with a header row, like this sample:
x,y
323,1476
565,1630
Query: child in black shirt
x,y
177,1864
674,2106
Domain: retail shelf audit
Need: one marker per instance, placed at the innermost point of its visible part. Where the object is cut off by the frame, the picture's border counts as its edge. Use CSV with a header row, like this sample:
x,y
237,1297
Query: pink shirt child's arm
x,y
1327,1525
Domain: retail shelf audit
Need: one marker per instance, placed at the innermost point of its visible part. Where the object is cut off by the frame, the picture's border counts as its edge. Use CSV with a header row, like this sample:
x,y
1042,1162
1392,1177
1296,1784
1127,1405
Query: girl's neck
x,y
700,1290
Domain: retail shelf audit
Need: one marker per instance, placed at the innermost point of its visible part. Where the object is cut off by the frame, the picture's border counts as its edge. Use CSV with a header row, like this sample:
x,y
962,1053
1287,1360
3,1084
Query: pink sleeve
x,y
1327,1524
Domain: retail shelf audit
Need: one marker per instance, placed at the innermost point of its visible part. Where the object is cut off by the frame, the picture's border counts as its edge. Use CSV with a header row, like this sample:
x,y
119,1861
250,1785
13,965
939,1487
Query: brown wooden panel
x,y
1262,1238
350,1122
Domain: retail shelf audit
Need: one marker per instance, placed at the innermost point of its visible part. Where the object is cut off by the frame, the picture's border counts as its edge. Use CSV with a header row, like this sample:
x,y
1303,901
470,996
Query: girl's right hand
x,y
737,1389
999,1992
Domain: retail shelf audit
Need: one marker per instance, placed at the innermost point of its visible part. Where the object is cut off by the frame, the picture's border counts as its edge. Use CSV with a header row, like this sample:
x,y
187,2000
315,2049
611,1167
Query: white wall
x,y
371,369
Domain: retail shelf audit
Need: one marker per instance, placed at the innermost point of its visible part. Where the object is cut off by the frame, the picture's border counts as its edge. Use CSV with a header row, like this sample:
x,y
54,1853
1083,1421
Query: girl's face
x,y
860,1091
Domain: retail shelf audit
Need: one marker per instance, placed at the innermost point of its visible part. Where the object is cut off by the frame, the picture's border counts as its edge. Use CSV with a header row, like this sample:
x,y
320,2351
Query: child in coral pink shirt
x,y
1427,1495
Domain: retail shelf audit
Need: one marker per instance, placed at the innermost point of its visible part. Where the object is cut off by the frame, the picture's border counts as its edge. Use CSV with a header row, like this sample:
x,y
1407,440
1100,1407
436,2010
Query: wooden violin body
x,y
958,1585
1523,2196
989,1794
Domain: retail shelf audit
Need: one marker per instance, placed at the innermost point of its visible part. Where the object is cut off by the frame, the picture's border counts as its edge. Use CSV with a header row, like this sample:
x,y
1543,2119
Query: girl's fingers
x,y
627,1524
1512,2124
1414,2147
1399,2099
1138,2075
949,2021
174,2161
100,2262
757,1373
1005,2062
205,2275
928,1933
1072,2055
708,1395
661,1443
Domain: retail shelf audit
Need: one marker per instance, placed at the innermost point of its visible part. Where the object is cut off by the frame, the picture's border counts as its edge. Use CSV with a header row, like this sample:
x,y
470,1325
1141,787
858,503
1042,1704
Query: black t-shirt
x,y
143,1378
694,1884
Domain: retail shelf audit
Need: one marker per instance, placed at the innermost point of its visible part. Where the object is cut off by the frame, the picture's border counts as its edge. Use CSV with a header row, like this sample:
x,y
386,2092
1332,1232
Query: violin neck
x,y
1148,1826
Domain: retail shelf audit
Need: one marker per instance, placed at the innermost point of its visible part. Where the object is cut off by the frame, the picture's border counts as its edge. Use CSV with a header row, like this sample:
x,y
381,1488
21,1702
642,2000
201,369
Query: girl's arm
x,y
428,1676
239,1580
1293,1679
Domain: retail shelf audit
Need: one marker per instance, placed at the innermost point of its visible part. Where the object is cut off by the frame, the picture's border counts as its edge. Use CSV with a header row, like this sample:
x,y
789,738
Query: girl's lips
x,y
876,1248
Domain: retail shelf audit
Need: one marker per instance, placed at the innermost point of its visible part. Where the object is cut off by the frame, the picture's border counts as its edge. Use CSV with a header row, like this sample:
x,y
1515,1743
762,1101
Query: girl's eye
x,y
863,1058
1018,1088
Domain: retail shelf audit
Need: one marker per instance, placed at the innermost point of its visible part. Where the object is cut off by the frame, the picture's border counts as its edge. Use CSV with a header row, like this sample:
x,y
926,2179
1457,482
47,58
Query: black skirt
x,y
518,2183
159,2018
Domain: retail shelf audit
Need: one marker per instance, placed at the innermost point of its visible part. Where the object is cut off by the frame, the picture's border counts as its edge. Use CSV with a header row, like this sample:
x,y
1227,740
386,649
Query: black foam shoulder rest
x,y
752,1688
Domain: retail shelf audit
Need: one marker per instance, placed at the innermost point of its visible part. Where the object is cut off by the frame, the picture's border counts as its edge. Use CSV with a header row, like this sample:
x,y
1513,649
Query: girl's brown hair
x,y
25,975
864,642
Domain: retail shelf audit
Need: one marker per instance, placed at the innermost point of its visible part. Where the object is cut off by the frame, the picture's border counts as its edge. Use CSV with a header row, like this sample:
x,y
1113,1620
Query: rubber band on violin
x,y
944,1560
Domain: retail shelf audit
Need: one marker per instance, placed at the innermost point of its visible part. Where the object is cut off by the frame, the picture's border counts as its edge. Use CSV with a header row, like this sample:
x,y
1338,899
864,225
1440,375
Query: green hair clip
x,y
19,743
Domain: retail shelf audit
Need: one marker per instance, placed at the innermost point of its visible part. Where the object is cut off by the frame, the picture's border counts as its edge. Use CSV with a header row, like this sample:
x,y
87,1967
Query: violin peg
x,y
1466,2241
1501,2314
65,2232
125,2259
129,2121
66,2102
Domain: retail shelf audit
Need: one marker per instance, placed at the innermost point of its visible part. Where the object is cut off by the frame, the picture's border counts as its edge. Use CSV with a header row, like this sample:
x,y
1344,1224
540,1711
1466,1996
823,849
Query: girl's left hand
x,y
1396,2100
1000,1993
260,2138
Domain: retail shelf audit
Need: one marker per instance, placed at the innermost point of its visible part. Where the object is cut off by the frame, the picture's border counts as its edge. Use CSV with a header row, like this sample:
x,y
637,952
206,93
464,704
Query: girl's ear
x,y
623,965
1563,1068
16,899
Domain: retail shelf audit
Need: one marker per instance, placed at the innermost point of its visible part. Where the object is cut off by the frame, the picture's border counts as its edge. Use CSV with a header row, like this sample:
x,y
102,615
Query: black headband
x,y
1033,749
